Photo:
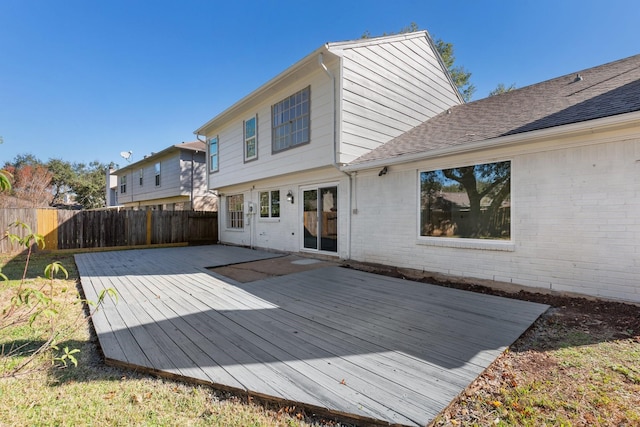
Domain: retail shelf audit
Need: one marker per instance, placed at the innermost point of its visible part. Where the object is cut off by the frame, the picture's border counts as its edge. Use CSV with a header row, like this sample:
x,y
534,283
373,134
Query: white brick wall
x,y
575,221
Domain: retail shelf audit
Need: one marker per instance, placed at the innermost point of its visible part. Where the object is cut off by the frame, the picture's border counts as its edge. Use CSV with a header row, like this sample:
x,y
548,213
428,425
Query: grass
x,y
582,380
96,394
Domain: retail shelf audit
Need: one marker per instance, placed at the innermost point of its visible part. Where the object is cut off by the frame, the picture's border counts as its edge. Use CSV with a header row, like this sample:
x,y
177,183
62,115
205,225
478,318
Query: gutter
x,y
573,129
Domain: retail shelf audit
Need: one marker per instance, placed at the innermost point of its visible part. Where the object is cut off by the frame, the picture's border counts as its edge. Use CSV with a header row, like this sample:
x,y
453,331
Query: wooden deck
x,y
348,342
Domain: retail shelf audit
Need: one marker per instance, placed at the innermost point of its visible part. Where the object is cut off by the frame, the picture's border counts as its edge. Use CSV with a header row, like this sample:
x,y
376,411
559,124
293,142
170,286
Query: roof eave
x,y
589,126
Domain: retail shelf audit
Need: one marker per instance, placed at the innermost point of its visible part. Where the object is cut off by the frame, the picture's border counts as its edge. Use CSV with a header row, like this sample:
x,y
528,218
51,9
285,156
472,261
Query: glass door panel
x,y
310,219
329,219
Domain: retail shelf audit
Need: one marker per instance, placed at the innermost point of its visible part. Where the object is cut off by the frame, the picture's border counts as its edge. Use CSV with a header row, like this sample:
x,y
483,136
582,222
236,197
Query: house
x,y
564,157
172,179
364,150
275,156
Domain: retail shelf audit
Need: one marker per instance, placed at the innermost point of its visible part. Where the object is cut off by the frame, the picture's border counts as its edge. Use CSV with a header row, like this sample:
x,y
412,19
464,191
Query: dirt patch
x,y
280,266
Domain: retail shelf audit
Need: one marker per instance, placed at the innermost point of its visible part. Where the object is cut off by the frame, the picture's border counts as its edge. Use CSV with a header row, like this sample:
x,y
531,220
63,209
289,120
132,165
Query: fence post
x,y
149,227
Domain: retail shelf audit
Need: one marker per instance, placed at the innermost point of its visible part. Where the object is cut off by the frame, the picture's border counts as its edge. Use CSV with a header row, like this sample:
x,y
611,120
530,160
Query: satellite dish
x,y
126,155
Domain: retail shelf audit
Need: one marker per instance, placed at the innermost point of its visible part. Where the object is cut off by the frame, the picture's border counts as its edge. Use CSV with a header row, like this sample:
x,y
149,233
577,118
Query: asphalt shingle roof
x,y
597,92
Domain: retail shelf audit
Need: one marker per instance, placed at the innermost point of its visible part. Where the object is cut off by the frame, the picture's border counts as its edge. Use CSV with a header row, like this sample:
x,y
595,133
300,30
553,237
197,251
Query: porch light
x,y
290,197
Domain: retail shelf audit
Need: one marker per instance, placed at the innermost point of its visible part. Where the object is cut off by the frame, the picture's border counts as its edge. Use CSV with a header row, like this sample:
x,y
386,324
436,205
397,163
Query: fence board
x,y
99,229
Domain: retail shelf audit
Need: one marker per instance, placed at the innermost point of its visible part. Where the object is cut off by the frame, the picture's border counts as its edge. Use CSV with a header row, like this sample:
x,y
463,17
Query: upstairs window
x,y
251,139
123,184
157,170
270,204
291,121
235,211
140,176
213,154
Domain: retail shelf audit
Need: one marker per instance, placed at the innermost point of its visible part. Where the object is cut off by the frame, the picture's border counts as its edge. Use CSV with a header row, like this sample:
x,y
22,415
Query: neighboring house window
x,y
270,204
291,121
235,211
467,202
213,154
251,139
123,184
140,176
157,170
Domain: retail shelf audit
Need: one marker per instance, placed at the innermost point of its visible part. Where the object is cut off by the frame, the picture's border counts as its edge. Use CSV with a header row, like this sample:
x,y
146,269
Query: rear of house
x,y
556,166
274,157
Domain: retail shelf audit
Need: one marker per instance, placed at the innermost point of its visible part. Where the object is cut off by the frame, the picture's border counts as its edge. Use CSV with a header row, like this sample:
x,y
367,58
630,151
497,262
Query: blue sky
x,y
84,80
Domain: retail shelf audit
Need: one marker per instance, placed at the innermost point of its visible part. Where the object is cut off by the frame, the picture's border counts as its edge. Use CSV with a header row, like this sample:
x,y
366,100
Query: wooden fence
x,y
109,228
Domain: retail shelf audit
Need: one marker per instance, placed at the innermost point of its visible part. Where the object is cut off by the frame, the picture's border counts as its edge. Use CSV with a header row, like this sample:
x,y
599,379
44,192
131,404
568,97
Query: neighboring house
x,y
275,156
564,156
111,192
172,179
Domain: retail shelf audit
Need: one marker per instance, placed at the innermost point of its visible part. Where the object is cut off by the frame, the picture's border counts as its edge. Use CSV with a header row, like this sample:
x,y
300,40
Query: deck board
x,y
342,340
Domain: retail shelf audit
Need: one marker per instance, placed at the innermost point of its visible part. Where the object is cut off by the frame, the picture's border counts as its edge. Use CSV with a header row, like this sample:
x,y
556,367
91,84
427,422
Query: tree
x,y
501,88
460,76
89,184
62,180
30,182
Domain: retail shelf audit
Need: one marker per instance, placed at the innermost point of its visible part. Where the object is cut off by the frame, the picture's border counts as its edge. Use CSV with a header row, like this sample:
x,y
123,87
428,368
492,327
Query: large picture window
x,y
250,139
270,204
467,202
235,211
291,121
213,154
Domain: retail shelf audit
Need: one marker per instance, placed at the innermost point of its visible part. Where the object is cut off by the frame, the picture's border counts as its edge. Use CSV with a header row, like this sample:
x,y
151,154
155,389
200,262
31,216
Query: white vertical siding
x,y
387,89
574,220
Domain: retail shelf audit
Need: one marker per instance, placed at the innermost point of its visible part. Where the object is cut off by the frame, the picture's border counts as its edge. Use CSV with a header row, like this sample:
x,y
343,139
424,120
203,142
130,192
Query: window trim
x,y
234,222
123,184
158,173
211,156
285,105
270,205
464,242
246,139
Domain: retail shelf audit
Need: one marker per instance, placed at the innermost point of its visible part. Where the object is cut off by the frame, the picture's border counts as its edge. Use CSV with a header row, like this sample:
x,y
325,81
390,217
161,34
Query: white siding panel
x,y
574,219
389,88
317,153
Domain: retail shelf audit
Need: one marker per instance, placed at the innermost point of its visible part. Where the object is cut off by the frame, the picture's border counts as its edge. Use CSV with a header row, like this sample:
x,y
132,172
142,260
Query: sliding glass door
x,y
320,219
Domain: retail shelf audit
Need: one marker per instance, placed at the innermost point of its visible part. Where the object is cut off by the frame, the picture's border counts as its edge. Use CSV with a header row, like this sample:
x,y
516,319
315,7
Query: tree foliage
x,y
35,183
501,88
460,76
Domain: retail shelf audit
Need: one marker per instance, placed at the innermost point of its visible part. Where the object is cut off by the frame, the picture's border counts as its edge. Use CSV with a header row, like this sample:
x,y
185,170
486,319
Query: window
x,y
213,154
250,139
235,211
140,176
123,184
467,202
270,204
157,169
291,121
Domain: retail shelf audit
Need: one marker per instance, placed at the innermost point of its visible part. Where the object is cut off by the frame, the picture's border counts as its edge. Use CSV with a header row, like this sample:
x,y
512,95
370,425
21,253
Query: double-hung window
x,y
123,184
251,139
157,172
291,121
213,154
235,211
270,204
140,176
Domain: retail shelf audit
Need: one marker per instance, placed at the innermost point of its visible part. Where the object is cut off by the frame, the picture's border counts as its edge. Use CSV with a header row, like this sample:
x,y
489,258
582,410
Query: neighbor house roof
x,y
194,146
598,92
